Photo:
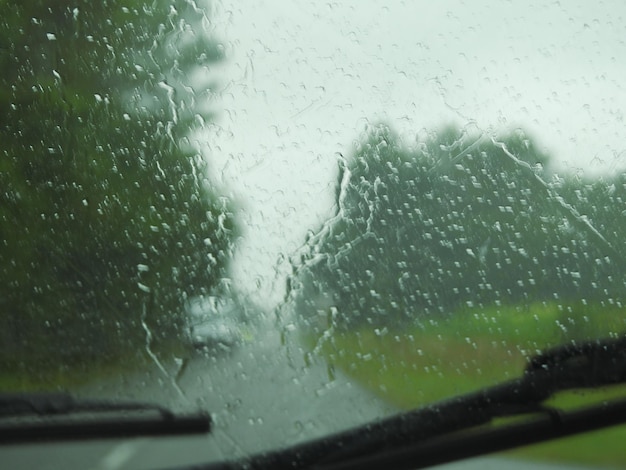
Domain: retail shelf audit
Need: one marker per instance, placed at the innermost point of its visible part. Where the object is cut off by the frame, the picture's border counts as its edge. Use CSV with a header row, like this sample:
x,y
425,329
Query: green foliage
x,y
460,221
106,217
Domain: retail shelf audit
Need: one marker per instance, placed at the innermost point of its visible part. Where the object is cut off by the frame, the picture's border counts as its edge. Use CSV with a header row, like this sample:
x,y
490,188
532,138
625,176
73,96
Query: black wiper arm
x,y
37,416
483,440
586,365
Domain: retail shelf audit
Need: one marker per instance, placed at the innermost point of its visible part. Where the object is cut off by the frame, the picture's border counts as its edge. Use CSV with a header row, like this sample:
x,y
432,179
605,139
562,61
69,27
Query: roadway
x,y
262,395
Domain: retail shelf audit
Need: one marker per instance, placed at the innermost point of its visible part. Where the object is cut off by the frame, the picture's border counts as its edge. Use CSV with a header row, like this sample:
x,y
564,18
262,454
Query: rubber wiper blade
x,y
583,365
59,416
16,404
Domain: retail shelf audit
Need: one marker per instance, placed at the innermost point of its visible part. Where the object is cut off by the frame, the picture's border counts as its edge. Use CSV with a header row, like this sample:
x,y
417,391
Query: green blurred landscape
x,y
449,262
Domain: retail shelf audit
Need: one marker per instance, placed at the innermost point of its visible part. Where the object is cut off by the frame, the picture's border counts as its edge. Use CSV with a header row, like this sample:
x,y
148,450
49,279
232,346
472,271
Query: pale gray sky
x,y
303,79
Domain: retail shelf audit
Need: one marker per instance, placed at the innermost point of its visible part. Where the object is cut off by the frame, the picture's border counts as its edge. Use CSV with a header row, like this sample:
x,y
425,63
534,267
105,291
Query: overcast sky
x,y
303,80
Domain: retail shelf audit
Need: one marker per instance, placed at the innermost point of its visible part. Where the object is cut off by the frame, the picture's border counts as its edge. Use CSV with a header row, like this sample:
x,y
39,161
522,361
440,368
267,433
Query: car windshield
x,y
303,216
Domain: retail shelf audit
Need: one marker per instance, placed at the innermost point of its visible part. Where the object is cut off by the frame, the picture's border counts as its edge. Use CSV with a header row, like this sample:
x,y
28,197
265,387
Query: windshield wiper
x,y
57,416
455,428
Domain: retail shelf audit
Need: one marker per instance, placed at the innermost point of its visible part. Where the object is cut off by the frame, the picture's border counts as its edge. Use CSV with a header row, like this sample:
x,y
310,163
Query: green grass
x,y
68,377
470,350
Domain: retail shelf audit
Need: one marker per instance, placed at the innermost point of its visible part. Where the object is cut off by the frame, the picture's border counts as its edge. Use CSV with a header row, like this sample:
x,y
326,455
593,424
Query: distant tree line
x,y
107,221
457,222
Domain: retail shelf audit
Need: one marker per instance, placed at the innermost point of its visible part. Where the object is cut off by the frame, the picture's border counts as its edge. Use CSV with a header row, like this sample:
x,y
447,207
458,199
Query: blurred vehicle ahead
x,y
213,322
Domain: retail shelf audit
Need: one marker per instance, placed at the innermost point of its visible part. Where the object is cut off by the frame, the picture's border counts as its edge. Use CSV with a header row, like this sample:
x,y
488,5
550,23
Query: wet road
x,y
262,395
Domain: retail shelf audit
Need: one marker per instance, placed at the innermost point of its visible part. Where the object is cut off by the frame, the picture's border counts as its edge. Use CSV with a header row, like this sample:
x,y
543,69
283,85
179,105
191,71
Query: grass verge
x,y
438,359
70,377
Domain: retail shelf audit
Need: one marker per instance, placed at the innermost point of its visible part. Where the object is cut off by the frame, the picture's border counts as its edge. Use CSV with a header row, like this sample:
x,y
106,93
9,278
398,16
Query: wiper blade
x,y
586,365
57,416
16,404
483,440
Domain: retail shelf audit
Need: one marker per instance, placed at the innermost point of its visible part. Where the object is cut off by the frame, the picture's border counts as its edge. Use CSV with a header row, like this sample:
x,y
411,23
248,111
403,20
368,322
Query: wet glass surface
x,y
302,217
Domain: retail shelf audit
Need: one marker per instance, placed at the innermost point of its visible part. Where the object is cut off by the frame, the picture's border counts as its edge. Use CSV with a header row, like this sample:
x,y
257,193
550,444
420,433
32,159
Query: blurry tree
x,y
107,221
458,222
